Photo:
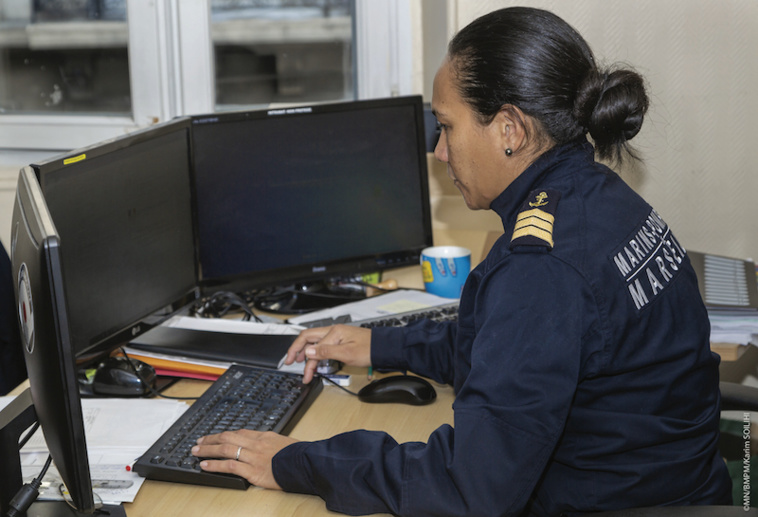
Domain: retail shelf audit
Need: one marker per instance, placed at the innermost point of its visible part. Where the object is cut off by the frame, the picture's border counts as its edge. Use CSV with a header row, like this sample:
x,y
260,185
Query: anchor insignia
x,y
539,200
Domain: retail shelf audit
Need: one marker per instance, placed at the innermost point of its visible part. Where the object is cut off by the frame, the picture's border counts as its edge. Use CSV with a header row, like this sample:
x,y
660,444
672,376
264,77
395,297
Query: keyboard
x,y
445,312
244,397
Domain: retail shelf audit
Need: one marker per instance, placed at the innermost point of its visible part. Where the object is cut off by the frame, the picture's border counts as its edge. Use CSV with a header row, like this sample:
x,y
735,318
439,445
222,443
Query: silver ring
x,y
239,450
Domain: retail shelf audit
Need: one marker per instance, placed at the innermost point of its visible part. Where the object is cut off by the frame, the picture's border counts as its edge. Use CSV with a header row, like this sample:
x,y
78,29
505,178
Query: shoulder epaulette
x,y
534,223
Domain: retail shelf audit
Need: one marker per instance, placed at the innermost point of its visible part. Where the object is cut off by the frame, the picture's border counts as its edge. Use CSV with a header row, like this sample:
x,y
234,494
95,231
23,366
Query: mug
x,y
445,269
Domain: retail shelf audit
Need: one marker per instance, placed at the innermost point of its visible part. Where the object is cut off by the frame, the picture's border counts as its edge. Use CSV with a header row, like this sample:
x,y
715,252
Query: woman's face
x,y
474,153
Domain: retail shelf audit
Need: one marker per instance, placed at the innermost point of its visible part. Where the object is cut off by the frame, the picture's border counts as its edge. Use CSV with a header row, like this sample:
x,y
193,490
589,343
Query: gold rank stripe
x,y
536,223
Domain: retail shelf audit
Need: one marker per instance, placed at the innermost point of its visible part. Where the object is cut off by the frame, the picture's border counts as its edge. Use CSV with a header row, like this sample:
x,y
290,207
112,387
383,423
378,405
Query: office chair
x,y
12,366
734,397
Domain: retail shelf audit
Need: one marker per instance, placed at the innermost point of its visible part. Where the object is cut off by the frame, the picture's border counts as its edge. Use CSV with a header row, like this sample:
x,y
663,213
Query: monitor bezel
x,y
302,274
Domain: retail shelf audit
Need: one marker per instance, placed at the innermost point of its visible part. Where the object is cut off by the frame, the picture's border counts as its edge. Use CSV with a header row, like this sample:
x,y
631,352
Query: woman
x,y
581,363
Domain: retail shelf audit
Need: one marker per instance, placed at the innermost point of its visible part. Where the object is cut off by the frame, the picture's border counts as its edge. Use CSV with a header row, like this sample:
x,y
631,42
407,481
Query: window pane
x,y
282,51
64,56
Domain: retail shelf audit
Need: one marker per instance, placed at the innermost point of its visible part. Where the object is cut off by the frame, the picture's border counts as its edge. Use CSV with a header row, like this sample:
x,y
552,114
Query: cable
x,y
368,285
318,375
220,303
28,493
28,435
389,290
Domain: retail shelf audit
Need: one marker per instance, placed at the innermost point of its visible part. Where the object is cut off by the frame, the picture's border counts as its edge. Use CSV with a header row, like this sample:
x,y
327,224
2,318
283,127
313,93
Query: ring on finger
x,y
239,451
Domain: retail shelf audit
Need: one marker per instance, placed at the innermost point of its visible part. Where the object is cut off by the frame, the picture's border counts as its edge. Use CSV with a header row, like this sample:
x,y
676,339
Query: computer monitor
x,y
123,209
295,196
115,221
43,314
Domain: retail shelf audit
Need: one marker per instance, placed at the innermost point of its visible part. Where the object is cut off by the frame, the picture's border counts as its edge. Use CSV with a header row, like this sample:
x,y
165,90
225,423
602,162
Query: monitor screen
x,y
296,194
123,209
43,317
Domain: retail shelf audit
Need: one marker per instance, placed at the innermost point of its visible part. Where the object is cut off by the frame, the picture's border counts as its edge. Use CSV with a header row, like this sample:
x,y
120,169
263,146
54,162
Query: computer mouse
x,y
403,389
115,377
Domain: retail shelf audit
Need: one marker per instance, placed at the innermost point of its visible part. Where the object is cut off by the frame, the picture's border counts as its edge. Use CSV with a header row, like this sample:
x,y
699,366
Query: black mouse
x,y
404,389
115,377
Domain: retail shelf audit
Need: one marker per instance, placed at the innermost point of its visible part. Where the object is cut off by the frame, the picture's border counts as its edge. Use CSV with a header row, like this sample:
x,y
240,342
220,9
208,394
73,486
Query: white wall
x,y
700,58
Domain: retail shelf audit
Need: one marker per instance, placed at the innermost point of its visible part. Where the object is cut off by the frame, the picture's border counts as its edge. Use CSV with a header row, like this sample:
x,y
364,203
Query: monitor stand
x,y
15,419
304,298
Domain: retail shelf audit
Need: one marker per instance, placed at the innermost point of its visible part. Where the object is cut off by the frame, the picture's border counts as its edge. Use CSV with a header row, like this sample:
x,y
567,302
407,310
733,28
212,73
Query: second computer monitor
x,y
299,194
123,209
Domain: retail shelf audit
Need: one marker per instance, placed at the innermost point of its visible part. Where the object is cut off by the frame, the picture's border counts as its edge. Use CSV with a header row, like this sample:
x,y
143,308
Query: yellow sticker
x,y
74,159
426,270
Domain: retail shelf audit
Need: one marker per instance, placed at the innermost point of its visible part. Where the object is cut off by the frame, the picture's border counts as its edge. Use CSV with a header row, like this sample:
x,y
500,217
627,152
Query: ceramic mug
x,y
445,269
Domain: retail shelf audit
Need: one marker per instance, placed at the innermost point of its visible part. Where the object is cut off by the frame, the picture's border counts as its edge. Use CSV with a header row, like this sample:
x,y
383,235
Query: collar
x,y
509,201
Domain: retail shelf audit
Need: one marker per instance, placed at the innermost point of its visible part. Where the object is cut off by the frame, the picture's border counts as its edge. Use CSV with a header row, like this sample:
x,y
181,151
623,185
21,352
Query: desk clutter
x,y
118,431
203,348
248,397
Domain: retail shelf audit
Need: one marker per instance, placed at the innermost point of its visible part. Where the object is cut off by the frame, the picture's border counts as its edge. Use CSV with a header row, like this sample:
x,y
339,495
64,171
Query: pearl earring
x,y
508,151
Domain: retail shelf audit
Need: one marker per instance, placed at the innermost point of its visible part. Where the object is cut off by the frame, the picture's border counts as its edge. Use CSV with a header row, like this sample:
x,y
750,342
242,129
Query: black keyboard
x,y
244,397
446,312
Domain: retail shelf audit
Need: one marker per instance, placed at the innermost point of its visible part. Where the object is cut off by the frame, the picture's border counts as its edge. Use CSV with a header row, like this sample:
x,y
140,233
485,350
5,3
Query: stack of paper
x,y
118,431
190,367
733,327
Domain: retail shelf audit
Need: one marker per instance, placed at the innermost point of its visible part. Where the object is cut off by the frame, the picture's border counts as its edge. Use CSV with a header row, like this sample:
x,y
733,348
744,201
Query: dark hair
x,y
534,60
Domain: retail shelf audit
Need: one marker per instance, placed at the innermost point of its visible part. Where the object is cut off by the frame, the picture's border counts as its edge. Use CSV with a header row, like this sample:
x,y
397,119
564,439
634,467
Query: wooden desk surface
x,y
333,412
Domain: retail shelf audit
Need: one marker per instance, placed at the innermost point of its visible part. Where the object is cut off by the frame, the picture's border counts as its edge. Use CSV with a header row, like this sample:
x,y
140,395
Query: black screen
x,y
123,210
289,195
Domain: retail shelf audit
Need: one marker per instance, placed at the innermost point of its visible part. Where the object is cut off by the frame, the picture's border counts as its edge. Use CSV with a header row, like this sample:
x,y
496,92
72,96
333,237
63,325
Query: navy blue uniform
x,y
581,364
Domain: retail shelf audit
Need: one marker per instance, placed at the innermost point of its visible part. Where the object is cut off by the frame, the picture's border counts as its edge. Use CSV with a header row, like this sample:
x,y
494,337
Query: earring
x,y
508,151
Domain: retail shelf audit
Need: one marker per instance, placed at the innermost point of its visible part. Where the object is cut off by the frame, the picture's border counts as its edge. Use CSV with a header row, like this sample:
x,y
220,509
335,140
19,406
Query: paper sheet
x,y
733,327
231,326
118,431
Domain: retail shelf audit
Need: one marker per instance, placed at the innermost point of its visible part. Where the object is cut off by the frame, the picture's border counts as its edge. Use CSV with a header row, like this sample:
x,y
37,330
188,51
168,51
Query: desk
x,y
333,412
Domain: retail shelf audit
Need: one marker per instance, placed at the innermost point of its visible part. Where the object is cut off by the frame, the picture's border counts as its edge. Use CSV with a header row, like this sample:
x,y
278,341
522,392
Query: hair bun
x,y
611,107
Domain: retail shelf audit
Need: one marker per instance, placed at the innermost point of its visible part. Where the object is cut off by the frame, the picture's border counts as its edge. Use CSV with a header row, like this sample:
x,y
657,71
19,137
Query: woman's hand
x,y
249,454
348,344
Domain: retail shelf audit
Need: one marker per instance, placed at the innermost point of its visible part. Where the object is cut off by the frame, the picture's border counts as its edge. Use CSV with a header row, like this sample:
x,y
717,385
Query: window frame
x,y
172,44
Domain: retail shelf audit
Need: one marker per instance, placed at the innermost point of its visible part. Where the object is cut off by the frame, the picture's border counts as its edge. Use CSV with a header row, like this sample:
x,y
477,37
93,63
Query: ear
x,y
511,126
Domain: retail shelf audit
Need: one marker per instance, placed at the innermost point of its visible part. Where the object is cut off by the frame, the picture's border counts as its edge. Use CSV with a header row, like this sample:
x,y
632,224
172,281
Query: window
x,y
63,57
75,72
285,51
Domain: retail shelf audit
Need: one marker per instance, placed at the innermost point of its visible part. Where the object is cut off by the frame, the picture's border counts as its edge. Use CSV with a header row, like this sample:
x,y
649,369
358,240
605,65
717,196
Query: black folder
x,y
251,349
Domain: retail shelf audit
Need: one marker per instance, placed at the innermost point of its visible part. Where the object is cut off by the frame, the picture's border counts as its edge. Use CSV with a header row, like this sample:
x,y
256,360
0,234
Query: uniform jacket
x,y
581,364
